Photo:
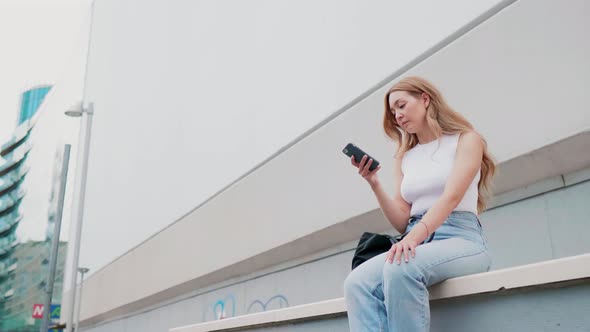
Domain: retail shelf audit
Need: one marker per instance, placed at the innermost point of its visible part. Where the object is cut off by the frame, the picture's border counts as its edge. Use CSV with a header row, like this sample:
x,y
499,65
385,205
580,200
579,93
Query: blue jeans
x,y
389,297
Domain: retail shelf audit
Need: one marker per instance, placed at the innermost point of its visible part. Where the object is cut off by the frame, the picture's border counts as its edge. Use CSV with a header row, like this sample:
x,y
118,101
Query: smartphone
x,y
353,150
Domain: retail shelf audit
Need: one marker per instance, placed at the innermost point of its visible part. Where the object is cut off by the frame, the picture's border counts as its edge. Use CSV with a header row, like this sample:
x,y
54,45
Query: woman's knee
x,y
362,279
366,276
352,282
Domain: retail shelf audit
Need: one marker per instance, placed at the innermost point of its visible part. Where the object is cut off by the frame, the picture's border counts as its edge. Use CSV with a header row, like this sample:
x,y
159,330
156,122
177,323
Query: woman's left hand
x,y
406,248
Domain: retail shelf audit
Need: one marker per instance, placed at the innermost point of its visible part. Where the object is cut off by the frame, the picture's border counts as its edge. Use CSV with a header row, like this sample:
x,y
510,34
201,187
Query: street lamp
x,y
82,271
86,113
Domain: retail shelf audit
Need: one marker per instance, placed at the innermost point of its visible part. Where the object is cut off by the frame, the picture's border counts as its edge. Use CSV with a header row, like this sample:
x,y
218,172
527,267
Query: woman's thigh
x,y
440,260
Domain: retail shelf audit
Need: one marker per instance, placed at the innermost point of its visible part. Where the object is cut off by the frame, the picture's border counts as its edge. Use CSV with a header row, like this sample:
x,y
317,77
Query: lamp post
x,y
85,113
82,271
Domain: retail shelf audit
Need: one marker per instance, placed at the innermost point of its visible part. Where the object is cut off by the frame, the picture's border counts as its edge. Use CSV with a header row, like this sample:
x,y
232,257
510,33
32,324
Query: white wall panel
x,y
190,95
311,185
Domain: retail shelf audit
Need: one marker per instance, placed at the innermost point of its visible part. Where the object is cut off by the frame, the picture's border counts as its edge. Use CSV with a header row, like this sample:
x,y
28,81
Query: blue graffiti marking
x,y
220,308
282,302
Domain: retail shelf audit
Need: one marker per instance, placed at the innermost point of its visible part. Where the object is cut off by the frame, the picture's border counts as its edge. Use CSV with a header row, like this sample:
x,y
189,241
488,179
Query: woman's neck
x,y
425,137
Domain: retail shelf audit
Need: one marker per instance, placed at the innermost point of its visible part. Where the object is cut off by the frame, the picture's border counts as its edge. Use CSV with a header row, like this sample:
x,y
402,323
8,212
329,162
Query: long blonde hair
x,y
440,119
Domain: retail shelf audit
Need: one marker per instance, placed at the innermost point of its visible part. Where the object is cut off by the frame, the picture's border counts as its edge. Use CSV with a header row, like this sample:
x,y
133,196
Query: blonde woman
x,y
442,172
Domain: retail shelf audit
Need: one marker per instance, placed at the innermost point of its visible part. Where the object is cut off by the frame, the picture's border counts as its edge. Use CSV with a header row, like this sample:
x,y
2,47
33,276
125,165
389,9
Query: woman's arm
x,y
467,164
396,210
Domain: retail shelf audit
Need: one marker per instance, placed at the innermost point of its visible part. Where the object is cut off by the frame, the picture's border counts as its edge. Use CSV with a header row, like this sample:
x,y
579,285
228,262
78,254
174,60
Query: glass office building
x,y
23,266
30,102
13,169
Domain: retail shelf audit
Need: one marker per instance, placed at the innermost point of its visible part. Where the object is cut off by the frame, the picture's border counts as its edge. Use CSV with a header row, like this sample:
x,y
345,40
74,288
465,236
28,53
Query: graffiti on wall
x,y
275,302
220,309
226,307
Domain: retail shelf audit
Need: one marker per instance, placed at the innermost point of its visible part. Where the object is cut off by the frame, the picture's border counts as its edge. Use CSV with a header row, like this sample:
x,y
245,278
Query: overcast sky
x,y
36,36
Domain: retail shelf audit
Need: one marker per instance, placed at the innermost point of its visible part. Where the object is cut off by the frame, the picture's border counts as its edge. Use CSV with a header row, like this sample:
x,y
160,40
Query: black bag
x,y
371,245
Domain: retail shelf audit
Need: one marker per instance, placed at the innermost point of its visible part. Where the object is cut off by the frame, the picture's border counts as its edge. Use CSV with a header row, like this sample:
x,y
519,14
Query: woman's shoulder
x,y
470,137
470,142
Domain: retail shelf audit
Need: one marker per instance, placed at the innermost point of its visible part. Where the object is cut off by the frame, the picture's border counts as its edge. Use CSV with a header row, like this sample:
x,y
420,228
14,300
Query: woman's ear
x,y
426,100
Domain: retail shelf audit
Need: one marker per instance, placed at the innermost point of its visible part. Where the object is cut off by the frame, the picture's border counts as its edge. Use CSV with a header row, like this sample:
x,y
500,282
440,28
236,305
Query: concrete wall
x,y
321,277
508,75
190,95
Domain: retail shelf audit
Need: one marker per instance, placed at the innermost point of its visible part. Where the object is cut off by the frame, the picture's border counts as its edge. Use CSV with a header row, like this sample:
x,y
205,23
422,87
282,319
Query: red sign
x,y
38,311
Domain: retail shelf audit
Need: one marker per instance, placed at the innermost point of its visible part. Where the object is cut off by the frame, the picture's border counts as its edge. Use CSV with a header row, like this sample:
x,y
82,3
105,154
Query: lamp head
x,y
76,110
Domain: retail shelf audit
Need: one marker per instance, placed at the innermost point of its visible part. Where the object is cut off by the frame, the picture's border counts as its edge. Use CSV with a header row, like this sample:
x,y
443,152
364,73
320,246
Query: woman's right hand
x,y
363,169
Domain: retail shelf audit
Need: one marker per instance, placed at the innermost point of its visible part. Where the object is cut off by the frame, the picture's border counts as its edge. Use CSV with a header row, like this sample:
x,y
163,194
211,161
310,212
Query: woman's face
x,y
409,110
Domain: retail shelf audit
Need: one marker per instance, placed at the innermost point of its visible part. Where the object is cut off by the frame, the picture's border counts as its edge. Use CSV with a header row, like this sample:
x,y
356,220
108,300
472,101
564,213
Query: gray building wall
x,y
548,225
490,70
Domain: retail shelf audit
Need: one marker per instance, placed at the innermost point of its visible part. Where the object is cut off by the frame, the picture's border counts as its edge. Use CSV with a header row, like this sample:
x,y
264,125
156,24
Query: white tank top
x,y
426,168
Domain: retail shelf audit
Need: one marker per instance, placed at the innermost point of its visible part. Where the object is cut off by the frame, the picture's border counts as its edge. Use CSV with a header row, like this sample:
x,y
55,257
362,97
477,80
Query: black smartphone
x,y
353,150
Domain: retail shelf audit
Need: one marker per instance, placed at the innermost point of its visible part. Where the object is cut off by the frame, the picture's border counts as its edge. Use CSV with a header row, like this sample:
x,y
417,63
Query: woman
x,y
442,173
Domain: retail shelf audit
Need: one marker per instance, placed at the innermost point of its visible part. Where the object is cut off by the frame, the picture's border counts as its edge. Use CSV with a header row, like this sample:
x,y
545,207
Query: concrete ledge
x,y
574,268
318,310
536,274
